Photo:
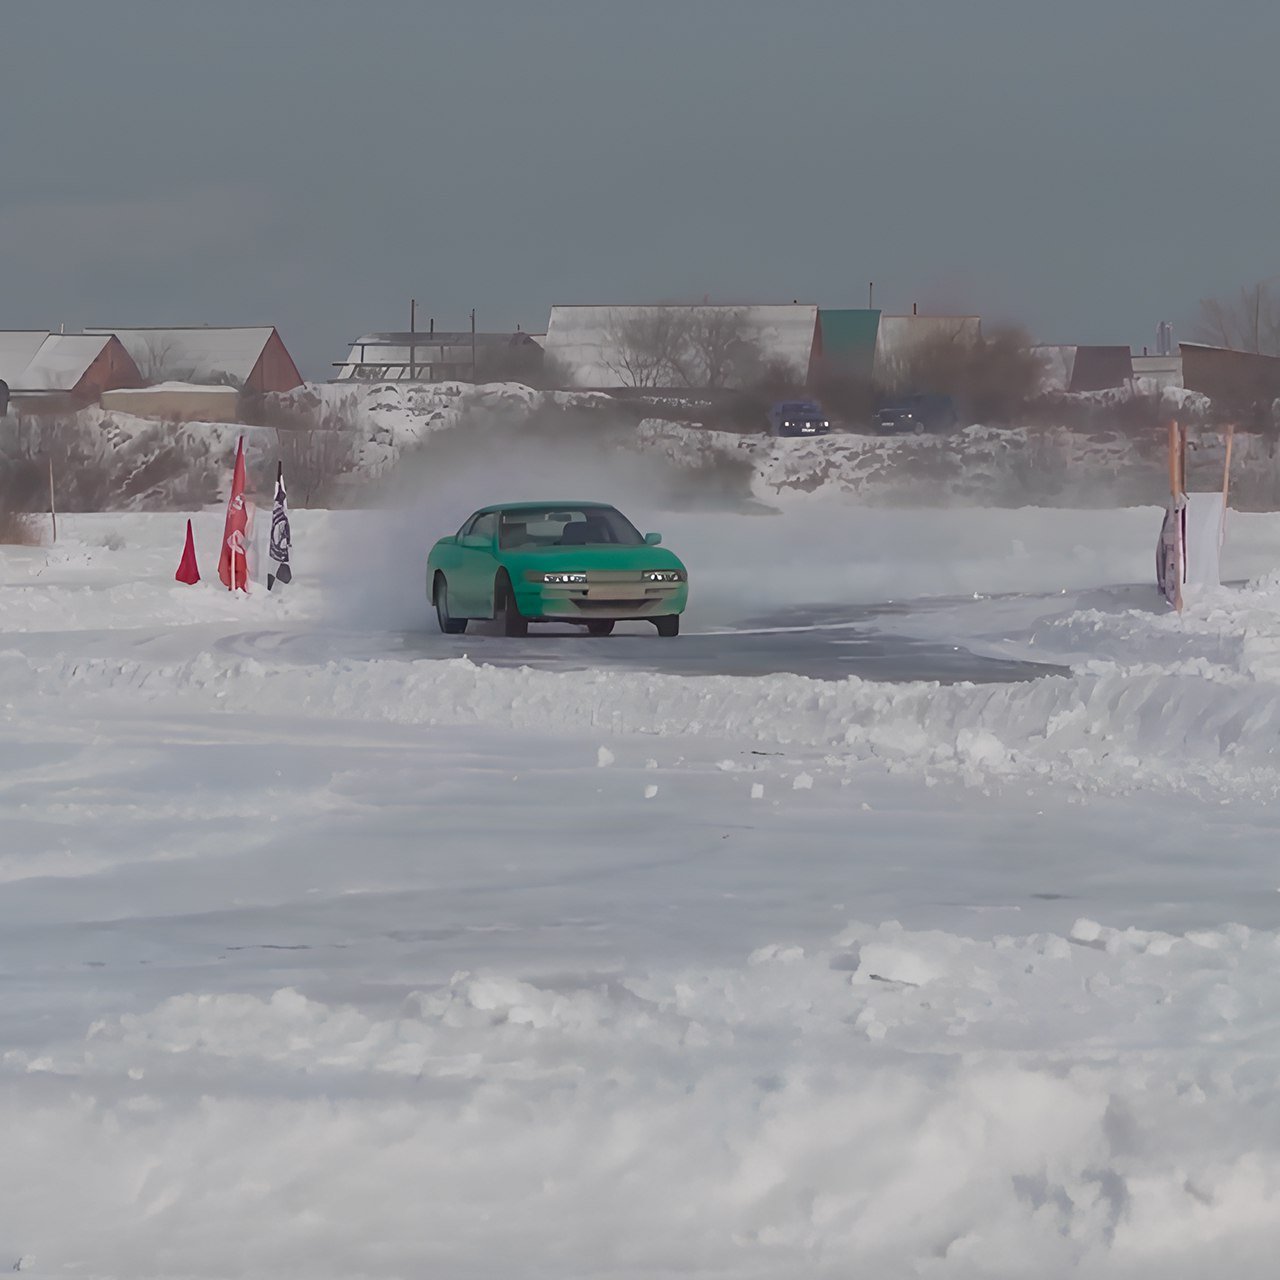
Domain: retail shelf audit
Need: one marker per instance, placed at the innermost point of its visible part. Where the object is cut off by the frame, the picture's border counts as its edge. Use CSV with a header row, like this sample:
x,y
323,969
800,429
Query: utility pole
x,y
473,346
871,293
413,326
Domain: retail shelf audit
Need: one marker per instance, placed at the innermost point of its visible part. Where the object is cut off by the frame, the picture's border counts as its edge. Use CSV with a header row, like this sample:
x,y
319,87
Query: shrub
x,y
18,529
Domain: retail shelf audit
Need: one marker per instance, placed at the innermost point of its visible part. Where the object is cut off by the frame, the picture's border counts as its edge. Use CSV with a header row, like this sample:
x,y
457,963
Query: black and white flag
x,y
281,538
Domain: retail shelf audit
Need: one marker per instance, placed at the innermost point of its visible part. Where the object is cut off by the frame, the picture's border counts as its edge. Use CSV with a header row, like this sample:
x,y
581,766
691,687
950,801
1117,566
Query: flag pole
x,y
1226,465
53,506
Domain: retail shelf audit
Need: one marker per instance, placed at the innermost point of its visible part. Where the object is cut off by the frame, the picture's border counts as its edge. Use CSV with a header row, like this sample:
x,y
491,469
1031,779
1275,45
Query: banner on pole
x,y
233,563
281,535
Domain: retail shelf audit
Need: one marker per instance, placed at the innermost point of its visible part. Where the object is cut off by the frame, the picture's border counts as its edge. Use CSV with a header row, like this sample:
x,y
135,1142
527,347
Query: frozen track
x,y
824,643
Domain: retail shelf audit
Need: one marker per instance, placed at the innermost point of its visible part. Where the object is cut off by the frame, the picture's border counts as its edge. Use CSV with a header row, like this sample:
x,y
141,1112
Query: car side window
x,y
484,526
467,525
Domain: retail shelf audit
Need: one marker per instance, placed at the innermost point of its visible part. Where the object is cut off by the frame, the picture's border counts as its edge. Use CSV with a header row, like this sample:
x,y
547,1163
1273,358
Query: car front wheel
x,y
514,623
450,625
668,626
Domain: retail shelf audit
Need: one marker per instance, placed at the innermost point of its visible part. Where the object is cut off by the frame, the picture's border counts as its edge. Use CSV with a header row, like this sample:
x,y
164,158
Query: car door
x,y
471,595
446,556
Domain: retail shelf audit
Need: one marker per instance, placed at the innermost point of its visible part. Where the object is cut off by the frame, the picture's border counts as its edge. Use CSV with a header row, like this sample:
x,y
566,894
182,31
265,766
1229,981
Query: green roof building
x,y
847,339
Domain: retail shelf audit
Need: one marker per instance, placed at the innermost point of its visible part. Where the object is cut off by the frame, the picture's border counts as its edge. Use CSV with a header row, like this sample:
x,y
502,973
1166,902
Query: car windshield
x,y
536,527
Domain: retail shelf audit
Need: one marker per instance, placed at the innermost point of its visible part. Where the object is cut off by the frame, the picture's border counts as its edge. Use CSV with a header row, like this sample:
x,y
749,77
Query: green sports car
x,y
581,562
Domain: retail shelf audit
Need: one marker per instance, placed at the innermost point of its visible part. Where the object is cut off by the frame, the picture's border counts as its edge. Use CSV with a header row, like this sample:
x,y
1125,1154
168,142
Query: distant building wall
x,y
176,403
275,369
1101,368
1238,382
1164,371
899,338
113,368
599,347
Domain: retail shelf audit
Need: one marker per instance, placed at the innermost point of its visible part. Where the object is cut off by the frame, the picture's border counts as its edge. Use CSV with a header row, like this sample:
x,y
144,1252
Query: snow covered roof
x,y
54,361
201,353
590,340
17,349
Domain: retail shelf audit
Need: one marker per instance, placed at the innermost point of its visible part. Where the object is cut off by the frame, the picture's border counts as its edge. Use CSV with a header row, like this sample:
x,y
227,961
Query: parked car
x,y
918,414
580,562
798,418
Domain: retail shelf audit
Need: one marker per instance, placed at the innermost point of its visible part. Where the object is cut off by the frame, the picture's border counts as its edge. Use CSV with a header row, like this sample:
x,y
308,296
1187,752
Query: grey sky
x,y
1086,168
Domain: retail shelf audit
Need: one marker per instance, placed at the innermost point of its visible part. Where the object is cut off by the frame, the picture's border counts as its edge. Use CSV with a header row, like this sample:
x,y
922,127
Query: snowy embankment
x,y
339,966
977,467
372,430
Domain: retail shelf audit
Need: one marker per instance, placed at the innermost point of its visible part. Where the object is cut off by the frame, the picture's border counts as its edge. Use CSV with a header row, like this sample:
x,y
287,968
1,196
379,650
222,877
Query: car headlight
x,y
562,579
663,575
825,423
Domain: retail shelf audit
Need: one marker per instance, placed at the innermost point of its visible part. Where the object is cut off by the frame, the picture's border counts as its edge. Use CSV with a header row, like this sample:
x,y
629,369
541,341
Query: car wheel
x,y
450,625
668,626
602,627
514,623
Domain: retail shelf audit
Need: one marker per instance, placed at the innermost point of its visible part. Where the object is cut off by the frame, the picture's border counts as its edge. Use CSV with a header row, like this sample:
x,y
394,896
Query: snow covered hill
x,y
367,436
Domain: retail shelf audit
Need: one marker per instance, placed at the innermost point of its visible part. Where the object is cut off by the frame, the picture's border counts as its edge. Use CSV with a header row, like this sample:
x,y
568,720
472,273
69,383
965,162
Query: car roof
x,y
541,506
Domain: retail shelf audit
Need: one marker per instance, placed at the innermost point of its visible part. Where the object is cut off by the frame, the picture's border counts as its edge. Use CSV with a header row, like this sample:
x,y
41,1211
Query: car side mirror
x,y
653,539
474,540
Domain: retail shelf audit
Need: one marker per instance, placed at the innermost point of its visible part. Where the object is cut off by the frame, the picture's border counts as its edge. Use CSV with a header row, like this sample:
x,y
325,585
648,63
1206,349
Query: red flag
x,y
233,565
188,570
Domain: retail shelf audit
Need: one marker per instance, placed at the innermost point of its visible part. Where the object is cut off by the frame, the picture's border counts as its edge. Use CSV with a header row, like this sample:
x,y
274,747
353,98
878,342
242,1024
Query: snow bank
x,y
896,1103
1109,728
979,466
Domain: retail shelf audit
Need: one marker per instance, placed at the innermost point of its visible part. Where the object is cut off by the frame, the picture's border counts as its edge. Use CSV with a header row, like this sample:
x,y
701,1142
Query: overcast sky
x,y
1085,168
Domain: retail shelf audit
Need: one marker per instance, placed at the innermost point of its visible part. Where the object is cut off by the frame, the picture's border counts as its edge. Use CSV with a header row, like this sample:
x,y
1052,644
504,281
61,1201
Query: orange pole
x,y
1226,466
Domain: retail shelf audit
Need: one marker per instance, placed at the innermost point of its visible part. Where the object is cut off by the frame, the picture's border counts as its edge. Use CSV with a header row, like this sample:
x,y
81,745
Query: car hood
x,y
607,559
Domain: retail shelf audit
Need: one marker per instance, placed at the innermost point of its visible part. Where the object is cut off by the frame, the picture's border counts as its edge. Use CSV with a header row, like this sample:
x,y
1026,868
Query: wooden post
x,y
1177,442
413,319
1226,468
53,506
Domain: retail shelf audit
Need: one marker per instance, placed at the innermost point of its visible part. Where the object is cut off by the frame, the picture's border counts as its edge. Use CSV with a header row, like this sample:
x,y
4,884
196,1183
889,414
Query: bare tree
x,y
725,347
677,346
525,363
160,360
991,377
1248,322
644,348
155,360
314,461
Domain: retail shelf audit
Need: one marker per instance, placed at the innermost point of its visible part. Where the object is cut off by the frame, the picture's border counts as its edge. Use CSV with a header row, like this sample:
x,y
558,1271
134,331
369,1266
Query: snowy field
x,y
331,947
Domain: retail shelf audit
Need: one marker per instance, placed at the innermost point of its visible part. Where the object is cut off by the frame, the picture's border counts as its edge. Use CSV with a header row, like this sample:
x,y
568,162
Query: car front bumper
x,y
616,596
